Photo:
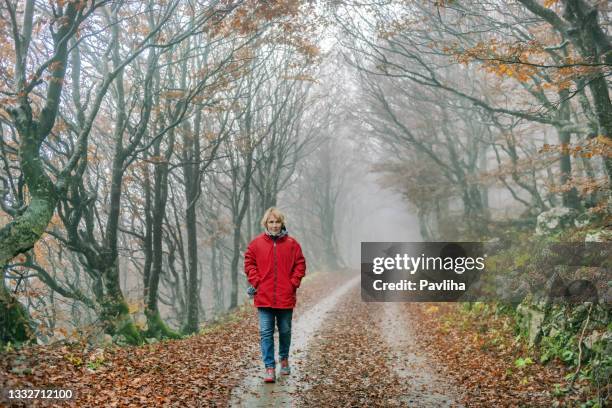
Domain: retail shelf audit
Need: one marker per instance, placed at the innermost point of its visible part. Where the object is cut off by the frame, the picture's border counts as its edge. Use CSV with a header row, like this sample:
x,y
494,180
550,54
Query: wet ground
x,y
346,352
427,387
253,392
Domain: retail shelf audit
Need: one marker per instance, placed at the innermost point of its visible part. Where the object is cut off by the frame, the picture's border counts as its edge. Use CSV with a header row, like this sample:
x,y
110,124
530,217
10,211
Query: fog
x,y
376,214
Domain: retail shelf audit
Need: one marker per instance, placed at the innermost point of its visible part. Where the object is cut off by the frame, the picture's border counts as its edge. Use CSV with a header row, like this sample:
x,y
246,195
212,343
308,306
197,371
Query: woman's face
x,y
273,224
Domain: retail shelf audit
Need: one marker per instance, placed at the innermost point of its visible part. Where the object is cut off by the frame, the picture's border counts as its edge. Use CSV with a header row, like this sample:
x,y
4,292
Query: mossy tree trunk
x,y
155,325
14,319
29,224
115,314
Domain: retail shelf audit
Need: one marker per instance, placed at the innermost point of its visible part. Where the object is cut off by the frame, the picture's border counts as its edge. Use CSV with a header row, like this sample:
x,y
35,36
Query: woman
x,y
274,266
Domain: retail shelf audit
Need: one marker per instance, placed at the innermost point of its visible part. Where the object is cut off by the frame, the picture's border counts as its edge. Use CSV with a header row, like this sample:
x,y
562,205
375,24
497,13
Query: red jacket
x,y
275,269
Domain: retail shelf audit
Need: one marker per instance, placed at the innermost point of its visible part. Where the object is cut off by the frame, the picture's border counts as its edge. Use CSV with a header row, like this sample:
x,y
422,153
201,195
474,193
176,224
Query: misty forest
x,y
142,141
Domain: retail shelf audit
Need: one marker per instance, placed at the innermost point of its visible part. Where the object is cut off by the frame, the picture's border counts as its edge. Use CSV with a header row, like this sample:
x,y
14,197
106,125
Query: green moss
x,y
158,329
15,324
117,321
131,333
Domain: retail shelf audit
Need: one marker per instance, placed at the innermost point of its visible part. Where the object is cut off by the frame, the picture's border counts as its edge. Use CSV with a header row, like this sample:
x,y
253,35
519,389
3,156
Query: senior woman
x,y
274,265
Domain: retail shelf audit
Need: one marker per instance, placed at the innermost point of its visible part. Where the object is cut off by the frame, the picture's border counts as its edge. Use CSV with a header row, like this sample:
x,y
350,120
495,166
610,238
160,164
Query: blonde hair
x,y
276,213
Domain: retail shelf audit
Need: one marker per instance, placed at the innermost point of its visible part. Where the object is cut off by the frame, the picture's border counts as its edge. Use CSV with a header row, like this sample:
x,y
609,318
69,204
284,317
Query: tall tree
x,y
34,125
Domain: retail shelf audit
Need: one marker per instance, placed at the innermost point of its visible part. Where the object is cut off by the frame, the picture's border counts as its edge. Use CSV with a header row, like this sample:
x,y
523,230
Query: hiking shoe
x,y
285,370
269,377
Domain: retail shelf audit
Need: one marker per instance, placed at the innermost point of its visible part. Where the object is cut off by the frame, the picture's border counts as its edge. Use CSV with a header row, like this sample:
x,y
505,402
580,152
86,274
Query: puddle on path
x,y
253,392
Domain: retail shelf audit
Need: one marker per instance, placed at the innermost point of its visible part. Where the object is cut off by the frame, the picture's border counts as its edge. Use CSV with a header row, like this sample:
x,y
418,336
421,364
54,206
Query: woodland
x,y
141,141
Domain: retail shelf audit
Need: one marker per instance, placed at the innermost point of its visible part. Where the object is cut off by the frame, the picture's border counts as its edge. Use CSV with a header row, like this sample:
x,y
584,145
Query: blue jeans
x,y
267,315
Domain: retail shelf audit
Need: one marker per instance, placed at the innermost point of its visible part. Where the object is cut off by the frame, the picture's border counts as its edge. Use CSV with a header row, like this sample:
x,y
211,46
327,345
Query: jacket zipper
x,y
274,257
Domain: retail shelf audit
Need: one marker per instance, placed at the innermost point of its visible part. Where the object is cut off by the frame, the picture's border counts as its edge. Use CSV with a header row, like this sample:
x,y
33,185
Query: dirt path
x,y
253,392
427,387
349,353
197,371
365,355
345,352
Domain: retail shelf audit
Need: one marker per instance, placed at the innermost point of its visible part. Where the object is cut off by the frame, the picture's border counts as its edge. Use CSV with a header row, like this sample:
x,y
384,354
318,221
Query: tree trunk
x,y
216,276
191,170
422,217
238,218
16,237
155,325
15,324
148,240
115,314
193,298
570,197
234,267
21,234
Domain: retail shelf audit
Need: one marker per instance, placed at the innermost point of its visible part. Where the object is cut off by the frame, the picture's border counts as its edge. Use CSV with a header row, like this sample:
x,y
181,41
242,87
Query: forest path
x,y
344,352
427,387
253,392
